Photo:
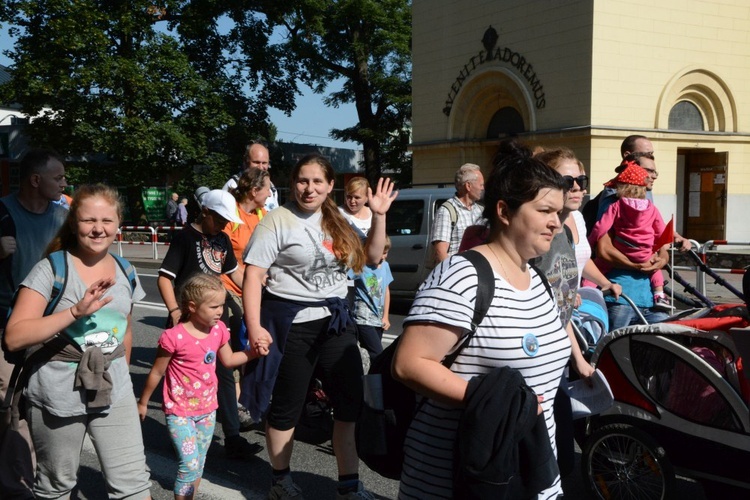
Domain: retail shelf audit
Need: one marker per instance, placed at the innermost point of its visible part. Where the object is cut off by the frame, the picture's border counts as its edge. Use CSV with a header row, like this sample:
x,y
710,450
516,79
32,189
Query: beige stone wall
x,y
609,68
447,34
640,45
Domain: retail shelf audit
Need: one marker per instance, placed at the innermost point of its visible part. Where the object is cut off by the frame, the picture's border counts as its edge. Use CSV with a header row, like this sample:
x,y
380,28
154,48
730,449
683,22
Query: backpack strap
x,y
128,270
18,377
485,293
544,279
59,263
7,228
452,213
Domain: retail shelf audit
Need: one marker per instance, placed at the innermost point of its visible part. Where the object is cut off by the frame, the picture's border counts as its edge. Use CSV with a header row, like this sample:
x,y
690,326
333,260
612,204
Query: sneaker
x,y
285,488
662,303
360,494
238,448
246,421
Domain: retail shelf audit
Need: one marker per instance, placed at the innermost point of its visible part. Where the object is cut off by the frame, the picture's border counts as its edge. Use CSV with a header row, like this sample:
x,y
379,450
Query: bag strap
x,y
544,279
485,292
128,270
59,265
452,212
7,228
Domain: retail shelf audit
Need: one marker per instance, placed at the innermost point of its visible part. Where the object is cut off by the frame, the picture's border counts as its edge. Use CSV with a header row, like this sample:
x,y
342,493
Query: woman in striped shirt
x,y
522,329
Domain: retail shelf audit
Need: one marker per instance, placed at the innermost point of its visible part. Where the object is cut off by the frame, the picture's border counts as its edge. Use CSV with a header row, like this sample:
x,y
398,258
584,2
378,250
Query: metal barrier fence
x,y
153,238
700,275
701,249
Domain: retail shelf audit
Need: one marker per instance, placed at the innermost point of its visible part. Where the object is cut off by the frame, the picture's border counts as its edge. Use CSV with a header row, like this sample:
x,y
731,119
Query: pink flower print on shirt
x,y
206,376
194,402
196,385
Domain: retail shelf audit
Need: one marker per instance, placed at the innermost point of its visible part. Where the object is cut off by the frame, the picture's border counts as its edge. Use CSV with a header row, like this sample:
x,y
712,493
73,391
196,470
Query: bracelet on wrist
x,y
173,310
73,314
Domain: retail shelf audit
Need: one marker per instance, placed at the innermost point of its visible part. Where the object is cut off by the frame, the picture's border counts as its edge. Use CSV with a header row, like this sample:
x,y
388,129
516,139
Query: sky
x,y
309,123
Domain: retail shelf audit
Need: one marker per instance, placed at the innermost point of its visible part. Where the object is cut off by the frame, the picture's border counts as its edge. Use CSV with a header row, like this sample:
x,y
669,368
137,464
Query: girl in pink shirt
x,y
187,354
635,225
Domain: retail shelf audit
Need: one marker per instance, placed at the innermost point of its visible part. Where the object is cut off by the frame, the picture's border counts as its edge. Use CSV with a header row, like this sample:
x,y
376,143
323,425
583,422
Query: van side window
x,y
404,217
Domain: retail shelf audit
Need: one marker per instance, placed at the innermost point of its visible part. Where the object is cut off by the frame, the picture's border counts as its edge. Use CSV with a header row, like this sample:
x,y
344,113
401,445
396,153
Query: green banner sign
x,y
154,203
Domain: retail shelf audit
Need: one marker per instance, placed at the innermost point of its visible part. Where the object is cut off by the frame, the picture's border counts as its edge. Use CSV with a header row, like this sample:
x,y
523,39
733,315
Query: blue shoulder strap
x,y
59,264
128,270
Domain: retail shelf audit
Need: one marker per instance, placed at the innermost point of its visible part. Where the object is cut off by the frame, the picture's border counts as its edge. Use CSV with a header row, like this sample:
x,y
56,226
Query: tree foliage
x,y
366,44
107,86
141,88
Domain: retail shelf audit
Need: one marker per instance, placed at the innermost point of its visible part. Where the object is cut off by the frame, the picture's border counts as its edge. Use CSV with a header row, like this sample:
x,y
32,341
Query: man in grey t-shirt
x,y
29,220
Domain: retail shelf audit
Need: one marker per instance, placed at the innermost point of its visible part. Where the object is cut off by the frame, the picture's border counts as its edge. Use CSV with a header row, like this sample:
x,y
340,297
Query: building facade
x,y
586,74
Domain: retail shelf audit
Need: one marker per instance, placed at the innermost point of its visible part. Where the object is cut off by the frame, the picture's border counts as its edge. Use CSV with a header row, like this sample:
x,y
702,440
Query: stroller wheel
x,y
620,461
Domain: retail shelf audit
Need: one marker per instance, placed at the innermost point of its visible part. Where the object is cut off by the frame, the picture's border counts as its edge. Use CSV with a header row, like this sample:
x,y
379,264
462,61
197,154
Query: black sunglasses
x,y
581,180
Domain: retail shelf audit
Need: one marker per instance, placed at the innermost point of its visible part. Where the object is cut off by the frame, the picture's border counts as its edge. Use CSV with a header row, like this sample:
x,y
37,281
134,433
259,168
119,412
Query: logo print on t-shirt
x,y
324,271
212,254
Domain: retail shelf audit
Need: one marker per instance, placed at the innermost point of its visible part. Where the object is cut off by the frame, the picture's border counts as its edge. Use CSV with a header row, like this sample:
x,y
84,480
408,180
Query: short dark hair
x,y
516,178
629,143
35,161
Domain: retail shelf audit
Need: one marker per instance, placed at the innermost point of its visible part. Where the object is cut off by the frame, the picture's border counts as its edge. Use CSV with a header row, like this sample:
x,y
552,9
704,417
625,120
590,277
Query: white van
x,y
408,223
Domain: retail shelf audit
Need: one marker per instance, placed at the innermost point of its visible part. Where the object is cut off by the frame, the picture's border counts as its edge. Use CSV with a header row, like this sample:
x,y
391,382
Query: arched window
x,y
685,116
504,122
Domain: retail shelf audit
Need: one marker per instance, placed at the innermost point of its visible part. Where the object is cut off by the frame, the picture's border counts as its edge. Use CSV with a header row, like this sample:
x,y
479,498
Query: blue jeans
x,y
621,315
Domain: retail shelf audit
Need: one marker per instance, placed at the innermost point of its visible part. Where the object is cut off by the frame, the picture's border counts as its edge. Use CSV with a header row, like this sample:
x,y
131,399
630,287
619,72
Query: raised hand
x,y
381,200
93,299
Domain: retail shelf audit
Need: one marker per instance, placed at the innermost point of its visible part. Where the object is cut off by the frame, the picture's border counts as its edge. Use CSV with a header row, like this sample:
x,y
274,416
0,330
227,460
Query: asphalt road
x,y
313,463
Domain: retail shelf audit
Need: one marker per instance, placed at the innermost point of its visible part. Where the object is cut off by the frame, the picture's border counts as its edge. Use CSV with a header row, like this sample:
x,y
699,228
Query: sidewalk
x,y
142,255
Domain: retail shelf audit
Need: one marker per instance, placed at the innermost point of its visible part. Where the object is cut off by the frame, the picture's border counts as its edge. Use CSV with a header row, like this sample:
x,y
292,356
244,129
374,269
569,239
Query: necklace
x,y
499,261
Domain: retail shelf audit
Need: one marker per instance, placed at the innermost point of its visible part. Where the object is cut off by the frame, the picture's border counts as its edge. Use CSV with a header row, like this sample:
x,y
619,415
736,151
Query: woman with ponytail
x,y
305,248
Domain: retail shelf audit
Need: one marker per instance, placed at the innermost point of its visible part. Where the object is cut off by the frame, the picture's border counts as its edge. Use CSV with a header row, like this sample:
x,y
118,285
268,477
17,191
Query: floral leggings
x,y
191,437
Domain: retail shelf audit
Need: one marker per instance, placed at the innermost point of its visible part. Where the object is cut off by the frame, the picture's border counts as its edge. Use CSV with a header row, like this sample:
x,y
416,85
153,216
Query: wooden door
x,y
706,196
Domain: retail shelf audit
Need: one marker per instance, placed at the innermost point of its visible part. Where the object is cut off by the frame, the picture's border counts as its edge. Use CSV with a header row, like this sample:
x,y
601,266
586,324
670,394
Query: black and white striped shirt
x,y
447,297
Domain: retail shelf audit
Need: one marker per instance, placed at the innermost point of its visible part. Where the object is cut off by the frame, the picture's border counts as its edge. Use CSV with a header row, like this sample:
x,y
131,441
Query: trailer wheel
x,y
620,461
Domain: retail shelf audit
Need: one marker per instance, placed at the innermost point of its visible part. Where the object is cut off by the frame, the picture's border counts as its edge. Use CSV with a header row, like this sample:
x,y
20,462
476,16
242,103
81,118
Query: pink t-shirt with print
x,y
190,382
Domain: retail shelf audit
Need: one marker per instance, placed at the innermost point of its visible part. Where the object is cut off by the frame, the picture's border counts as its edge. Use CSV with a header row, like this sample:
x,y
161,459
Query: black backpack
x,y
590,211
380,434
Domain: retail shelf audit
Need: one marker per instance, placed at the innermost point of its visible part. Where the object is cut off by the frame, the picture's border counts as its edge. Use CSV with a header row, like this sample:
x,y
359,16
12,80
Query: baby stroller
x,y
681,406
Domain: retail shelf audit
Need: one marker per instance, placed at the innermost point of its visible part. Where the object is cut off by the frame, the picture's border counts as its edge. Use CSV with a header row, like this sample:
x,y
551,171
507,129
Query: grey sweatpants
x,y
118,442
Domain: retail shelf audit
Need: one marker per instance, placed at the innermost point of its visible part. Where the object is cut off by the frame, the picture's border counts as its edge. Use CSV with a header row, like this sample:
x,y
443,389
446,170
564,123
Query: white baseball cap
x,y
223,204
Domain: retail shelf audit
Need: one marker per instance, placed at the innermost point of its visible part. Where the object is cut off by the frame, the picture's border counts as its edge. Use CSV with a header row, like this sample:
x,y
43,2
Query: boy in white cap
x,y
202,247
